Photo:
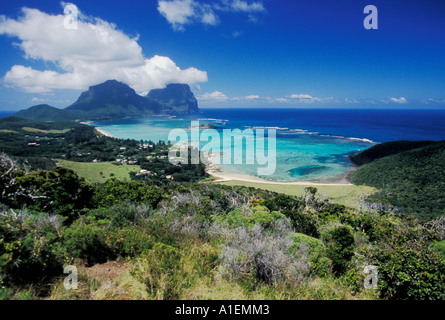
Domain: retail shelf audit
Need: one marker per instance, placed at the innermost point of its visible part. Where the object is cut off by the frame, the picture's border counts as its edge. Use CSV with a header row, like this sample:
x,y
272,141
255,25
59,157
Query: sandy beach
x,y
220,175
100,131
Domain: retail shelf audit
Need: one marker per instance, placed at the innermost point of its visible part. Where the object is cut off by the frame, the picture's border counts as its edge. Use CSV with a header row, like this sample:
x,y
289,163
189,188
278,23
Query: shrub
x,y
123,214
160,271
129,241
30,247
410,272
86,239
257,215
320,264
114,191
439,247
59,190
252,254
340,247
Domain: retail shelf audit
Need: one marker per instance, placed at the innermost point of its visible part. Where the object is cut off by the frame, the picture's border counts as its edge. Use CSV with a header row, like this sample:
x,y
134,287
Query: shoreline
x,y
226,177
223,176
101,132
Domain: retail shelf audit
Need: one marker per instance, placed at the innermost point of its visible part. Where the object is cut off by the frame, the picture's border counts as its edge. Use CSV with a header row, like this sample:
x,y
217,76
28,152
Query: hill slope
x,y
386,149
44,112
412,179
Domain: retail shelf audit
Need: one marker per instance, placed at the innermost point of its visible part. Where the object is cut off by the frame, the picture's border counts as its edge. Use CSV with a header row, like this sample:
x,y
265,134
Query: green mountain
x,y
44,112
386,149
114,100
410,175
177,96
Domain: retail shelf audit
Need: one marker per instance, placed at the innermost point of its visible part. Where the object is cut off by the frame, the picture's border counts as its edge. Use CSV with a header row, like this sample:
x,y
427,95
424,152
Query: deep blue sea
x,y
4,114
311,145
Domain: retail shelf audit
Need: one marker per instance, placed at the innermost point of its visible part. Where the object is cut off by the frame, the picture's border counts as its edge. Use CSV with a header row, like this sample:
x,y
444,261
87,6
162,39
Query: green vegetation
x,y
95,157
348,195
387,149
176,96
184,240
34,130
44,112
100,171
410,178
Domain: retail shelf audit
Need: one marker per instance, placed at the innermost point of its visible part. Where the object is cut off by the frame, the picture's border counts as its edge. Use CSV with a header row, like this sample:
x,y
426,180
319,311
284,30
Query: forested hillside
x,y
411,175
39,144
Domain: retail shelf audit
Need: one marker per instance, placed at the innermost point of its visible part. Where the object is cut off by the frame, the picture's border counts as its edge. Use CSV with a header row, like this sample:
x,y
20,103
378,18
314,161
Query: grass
x,y
347,195
107,281
34,130
100,171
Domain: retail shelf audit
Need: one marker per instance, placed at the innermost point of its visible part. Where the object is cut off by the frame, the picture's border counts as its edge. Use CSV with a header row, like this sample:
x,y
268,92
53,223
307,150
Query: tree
x,y
340,247
59,190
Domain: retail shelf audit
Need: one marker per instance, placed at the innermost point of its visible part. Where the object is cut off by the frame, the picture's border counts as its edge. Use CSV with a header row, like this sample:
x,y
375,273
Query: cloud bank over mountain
x,y
89,52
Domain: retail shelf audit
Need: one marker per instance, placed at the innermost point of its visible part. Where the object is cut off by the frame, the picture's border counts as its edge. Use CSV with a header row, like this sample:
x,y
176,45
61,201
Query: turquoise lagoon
x,y
311,145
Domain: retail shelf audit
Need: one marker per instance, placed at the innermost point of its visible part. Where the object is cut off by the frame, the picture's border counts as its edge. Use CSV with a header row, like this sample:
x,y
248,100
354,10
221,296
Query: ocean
x,y
312,145
4,114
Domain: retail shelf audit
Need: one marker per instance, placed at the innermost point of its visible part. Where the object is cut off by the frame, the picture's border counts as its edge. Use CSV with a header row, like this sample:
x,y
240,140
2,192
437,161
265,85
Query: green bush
x,y
320,264
58,191
30,247
129,241
258,214
124,213
410,272
439,247
340,242
86,239
114,191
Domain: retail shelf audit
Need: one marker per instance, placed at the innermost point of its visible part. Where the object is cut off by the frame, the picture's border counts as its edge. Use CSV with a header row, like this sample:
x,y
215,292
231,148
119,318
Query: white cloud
x,y
236,34
351,100
239,5
178,12
218,96
306,98
36,99
182,12
252,97
214,96
209,17
301,96
432,100
94,52
400,100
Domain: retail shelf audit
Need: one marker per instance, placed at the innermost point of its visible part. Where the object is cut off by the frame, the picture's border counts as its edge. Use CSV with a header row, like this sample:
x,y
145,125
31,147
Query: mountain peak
x,y
44,112
178,96
113,100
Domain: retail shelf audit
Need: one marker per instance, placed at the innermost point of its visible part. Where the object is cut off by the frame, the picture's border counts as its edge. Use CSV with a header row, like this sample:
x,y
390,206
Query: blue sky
x,y
233,53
